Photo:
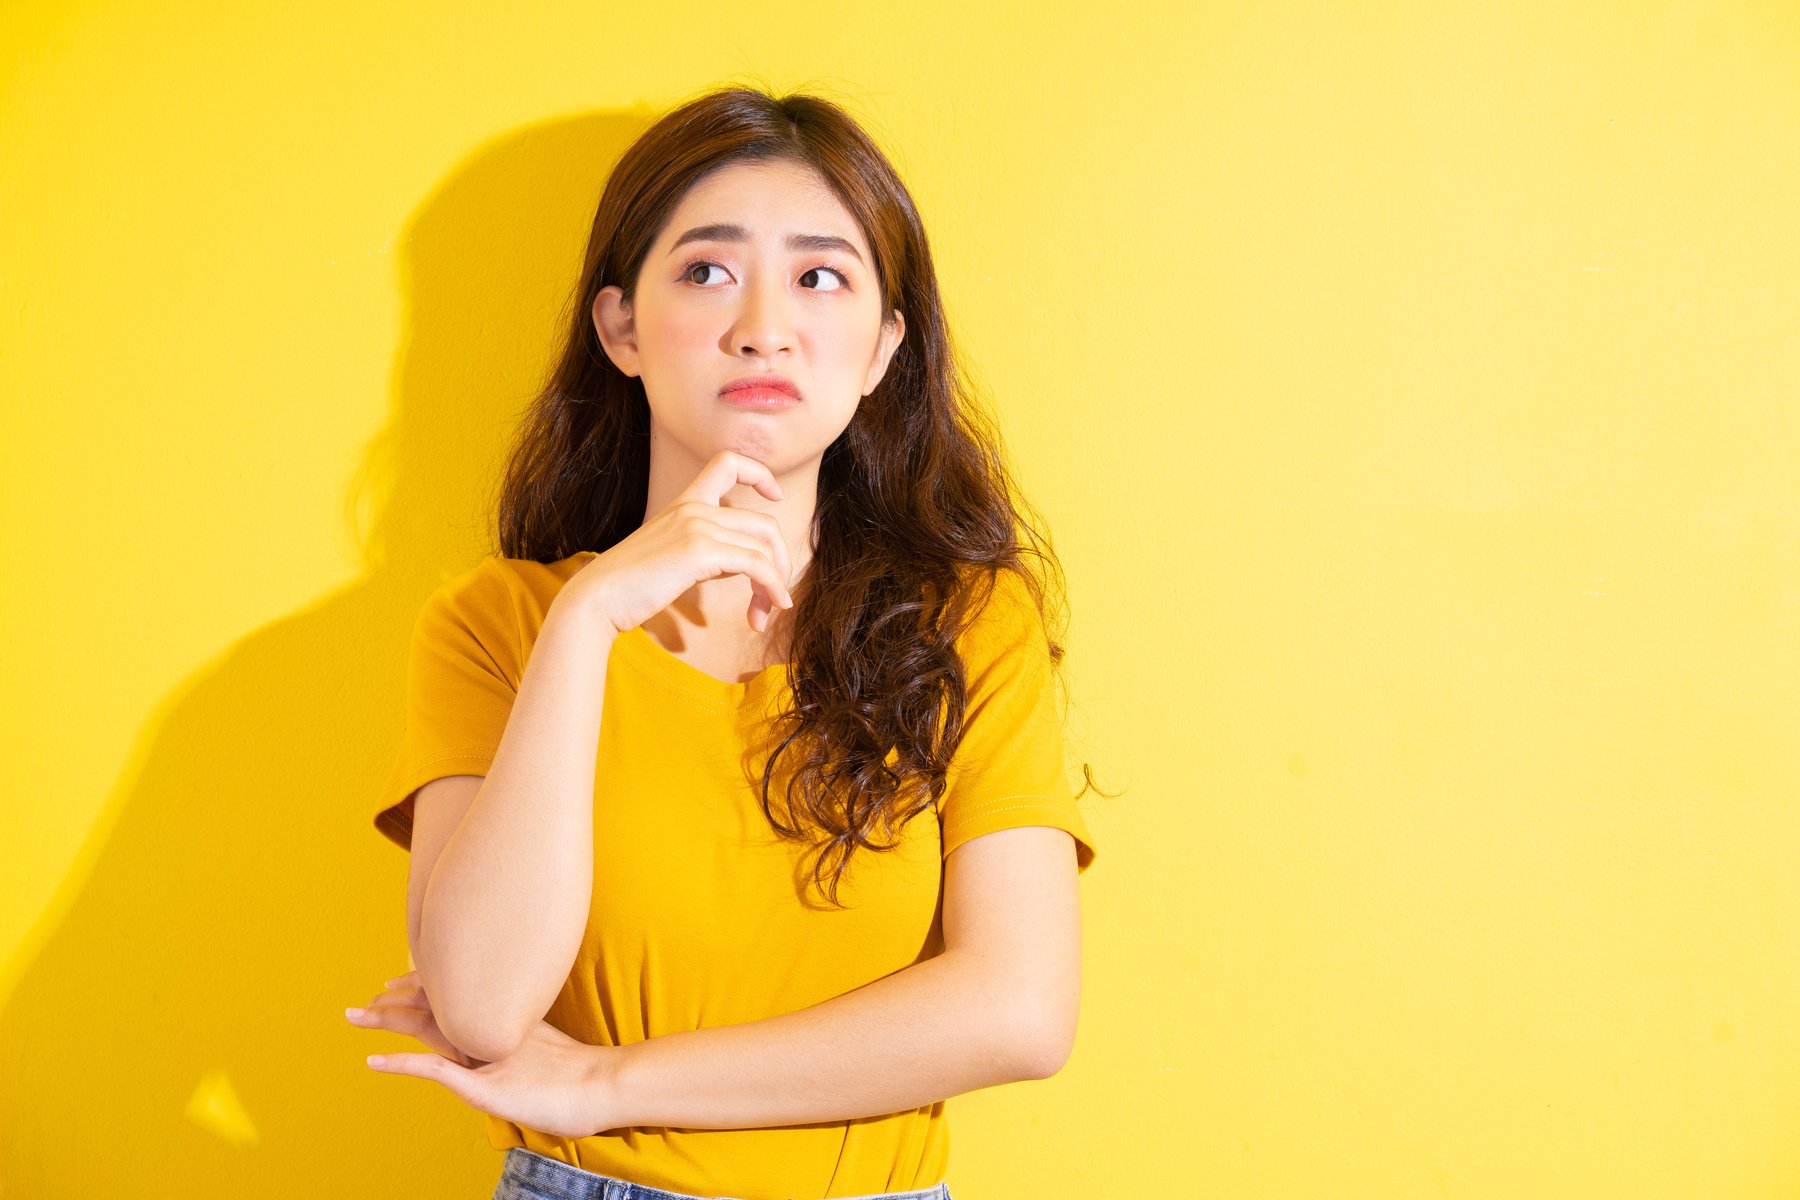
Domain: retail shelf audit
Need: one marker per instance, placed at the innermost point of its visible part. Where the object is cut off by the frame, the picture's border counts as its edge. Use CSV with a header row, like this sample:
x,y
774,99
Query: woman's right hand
x,y
694,539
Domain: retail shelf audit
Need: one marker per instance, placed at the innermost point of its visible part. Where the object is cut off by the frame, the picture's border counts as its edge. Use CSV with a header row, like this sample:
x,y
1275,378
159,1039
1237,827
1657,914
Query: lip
x,y
761,391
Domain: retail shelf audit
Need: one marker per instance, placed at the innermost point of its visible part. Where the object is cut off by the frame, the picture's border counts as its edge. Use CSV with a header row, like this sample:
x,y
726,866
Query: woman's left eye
x,y
831,271
843,280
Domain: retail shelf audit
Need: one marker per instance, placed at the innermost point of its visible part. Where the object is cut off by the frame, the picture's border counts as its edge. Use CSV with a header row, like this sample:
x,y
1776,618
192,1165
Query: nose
x,y
764,324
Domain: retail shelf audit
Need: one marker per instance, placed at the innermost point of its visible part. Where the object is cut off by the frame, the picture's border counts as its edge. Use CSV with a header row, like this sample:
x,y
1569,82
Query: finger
x,y
419,1025
411,1021
747,555
761,570
726,470
408,999
753,472
410,979
434,1037
414,1022
425,1066
784,562
763,527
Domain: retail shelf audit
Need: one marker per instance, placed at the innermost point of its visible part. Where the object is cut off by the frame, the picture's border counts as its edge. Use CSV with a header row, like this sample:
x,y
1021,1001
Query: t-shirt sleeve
x,y
462,673
1008,769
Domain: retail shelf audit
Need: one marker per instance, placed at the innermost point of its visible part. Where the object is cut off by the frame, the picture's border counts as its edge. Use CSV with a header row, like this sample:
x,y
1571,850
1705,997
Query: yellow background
x,y
1411,390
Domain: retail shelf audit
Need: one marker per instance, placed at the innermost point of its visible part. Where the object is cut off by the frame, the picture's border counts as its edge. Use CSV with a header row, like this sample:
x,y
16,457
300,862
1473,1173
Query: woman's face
x,y
728,303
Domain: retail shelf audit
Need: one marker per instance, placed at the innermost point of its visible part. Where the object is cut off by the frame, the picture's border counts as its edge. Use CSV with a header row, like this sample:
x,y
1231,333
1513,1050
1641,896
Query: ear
x,y
618,333
892,331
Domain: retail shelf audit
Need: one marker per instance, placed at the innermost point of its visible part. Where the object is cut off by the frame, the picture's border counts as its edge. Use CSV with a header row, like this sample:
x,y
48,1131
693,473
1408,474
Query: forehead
x,y
770,199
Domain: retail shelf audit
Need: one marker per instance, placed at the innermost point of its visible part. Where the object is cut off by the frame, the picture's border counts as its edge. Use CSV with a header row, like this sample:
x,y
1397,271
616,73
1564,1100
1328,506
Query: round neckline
x,y
642,648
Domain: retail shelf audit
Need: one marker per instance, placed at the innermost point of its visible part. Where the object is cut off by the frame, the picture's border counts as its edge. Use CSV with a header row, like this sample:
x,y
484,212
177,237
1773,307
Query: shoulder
x,y
511,587
499,602
480,592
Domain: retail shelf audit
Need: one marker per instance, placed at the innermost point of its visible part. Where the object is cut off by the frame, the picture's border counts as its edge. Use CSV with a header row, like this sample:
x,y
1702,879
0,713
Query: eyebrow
x,y
737,233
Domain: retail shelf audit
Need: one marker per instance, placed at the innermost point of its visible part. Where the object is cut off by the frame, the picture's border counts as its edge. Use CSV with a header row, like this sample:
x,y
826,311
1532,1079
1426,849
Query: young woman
x,y
761,601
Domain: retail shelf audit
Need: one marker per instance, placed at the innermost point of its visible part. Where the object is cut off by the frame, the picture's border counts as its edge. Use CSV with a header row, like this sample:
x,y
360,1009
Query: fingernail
x,y
355,1014
391,982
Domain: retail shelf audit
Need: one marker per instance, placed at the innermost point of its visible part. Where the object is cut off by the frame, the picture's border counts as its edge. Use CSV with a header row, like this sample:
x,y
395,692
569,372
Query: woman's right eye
x,y
688,272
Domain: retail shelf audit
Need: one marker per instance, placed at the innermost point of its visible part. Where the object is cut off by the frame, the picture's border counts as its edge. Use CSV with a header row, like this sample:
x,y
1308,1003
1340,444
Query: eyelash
x,y
689,269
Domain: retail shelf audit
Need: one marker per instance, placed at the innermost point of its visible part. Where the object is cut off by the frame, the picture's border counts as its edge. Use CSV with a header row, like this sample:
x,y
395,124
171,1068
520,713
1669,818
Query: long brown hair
x,y
916,510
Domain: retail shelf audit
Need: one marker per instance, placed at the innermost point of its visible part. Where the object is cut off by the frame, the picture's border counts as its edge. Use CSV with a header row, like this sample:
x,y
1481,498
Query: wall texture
x,y
1410,389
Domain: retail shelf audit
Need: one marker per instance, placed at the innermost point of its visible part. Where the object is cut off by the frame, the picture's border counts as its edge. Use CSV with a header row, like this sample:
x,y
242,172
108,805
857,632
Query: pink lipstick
x,y
761,392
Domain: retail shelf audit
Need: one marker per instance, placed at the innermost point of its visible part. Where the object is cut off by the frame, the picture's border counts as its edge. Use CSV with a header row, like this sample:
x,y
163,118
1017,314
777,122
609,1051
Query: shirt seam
x,y
460,753
988,808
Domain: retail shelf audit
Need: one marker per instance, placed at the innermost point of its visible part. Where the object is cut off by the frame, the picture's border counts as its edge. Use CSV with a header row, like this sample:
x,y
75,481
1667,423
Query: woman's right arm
x,y
503,869
502,865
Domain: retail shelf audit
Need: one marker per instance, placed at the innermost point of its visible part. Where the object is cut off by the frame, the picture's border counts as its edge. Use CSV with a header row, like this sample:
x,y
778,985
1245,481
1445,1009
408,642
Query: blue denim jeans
x,y
528,1175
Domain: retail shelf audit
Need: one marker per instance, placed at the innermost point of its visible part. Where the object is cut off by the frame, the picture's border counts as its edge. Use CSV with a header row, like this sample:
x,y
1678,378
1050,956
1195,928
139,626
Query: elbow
x,y
480,1038
470,1021
1045,1041
485,1010
1046,1058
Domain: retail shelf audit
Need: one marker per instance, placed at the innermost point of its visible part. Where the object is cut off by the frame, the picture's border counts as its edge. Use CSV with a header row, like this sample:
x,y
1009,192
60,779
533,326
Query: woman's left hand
x,y
551,1083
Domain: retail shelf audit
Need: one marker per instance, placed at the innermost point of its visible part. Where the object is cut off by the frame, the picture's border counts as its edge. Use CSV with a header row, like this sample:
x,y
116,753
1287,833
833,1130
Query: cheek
x,y
677,331
846,346
830,418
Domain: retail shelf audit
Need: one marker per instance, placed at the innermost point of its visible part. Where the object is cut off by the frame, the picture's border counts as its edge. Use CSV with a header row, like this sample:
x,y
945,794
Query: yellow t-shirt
x,y
701,916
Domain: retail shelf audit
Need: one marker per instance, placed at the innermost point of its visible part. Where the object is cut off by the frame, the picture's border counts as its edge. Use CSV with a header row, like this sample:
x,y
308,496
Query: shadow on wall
x,y
188,1006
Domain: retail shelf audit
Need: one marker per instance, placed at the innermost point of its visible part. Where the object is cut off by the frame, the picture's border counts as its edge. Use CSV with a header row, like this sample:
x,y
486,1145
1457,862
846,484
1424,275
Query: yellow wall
x,y
1412,392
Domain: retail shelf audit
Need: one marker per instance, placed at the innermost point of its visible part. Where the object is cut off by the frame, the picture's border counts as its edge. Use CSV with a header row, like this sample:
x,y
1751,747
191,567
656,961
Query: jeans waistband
x,y
528,1175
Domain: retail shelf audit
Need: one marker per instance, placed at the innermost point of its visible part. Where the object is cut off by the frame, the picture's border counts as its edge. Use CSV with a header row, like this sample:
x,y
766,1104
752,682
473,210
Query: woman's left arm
x,y
998,1005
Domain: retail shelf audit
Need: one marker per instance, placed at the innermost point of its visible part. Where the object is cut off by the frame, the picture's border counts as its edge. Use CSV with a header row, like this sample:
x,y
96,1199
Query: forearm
x,y
507,902
933,1030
